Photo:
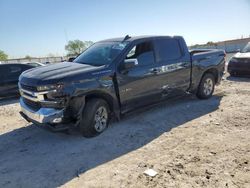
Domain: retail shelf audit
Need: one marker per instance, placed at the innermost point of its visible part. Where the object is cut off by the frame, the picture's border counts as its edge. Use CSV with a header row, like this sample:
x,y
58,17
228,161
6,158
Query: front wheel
x,y
206,87
94,118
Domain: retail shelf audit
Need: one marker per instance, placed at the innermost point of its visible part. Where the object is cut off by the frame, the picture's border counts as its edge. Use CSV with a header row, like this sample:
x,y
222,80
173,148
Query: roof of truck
x,y
129,38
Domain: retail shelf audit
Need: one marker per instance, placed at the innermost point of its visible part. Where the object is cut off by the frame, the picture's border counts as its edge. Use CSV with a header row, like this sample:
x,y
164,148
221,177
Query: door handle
x,y
154,71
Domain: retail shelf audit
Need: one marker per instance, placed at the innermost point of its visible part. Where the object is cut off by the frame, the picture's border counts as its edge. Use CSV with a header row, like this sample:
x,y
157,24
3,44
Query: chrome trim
x,y
35,99
36,93
43,115
34,96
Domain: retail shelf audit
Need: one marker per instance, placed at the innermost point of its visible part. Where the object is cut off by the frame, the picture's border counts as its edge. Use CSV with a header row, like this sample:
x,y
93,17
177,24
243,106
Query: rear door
x,y
174,66
137,85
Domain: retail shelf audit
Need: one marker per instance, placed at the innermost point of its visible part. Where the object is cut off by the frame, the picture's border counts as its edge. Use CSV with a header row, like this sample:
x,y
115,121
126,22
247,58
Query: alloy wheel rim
x,y
101,118
208,86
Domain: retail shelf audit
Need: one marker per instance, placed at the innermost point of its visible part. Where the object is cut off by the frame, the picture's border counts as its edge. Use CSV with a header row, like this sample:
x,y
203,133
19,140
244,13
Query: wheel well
x,y
105,97
214,72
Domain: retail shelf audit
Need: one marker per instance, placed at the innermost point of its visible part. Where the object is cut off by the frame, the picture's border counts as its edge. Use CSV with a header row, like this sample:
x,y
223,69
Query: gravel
x,y
188,142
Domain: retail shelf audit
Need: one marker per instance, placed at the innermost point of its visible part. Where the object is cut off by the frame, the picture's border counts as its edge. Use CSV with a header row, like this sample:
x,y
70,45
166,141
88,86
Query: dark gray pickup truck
x,y
115,76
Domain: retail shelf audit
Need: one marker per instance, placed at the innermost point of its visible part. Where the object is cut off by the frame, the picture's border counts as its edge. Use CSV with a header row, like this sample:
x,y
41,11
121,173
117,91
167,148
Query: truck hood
x,y
59,72
242,55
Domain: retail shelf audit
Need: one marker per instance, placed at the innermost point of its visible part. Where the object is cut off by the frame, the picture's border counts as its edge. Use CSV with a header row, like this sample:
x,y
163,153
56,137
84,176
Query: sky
x,y
42,27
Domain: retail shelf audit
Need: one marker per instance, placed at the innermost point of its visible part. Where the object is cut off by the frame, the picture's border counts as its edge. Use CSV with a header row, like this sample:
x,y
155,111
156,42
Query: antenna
x,y
126,37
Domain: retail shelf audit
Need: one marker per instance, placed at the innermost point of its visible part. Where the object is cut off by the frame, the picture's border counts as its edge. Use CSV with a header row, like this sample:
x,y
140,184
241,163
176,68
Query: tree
x,y
88,43
76,47
27,57
210,43
3,56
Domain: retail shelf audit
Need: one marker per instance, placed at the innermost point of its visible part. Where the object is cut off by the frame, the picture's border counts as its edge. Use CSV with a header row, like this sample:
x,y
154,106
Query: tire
x,y
206,86
94,118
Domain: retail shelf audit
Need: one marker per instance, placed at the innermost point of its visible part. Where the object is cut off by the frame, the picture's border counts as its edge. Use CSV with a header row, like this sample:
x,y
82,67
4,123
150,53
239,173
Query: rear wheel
x,y
94,118
206,87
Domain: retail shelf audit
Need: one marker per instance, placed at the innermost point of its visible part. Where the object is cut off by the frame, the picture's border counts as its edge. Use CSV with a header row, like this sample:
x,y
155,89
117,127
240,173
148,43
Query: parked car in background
x,y
9,74
239,64
115,76
35,64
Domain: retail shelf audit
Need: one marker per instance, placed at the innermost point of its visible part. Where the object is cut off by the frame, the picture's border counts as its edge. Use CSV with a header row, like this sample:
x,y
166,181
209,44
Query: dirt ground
x,y
189,142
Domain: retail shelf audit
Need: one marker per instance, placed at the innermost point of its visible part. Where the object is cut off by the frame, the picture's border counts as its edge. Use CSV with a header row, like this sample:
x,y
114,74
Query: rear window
x,y
167,49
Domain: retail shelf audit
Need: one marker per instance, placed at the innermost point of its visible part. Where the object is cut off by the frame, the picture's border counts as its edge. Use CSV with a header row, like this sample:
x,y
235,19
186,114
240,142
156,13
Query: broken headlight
x,y
50,87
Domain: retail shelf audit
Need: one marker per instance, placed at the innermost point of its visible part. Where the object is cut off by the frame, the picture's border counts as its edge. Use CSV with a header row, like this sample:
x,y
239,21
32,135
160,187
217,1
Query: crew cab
x,y
239,64
115,76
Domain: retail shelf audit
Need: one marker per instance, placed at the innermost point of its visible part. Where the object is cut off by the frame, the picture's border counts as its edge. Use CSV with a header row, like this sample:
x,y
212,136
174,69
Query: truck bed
x,y
201,54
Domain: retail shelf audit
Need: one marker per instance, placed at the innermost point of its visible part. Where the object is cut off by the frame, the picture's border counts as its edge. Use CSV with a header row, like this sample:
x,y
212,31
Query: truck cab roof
x,y
135,38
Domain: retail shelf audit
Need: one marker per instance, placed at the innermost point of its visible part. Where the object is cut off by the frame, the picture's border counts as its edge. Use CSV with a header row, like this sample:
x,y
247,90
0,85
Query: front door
x,y
137,83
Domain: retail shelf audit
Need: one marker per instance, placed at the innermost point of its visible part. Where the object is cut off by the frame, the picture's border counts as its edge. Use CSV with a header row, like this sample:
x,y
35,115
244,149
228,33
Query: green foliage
x,y
3,56
210,43
27,57
76,47
88,43
195,46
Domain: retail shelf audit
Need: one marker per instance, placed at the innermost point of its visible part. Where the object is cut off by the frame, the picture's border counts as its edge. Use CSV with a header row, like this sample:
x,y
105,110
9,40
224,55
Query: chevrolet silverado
x,y
115,76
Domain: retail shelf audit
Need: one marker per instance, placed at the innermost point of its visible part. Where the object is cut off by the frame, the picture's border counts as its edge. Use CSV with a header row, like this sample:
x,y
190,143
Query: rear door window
x,y
167,50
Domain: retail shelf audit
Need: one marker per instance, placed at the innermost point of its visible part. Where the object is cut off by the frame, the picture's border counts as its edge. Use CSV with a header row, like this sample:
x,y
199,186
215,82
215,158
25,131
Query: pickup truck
x,y
115,76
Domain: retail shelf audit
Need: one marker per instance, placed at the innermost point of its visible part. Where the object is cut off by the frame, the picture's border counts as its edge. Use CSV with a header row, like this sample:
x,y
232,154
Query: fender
x,y
95,88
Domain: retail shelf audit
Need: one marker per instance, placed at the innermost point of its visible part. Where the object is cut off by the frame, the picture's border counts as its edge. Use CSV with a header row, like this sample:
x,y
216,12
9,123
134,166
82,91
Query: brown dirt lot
x,y
189,142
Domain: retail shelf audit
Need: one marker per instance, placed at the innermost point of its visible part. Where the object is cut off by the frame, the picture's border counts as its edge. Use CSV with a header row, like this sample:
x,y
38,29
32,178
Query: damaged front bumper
x,y
41,116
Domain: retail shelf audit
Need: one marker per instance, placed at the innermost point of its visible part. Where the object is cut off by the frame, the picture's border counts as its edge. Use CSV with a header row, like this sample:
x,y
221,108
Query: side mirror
x,y
71,59
129,63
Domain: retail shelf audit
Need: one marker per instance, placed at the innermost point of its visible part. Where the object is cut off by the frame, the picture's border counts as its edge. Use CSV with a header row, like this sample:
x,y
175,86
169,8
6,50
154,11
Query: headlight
x,y
50,87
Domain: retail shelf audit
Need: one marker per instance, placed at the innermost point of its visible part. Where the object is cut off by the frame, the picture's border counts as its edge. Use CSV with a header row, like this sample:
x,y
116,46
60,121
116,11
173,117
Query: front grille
x,y
28,88
32,104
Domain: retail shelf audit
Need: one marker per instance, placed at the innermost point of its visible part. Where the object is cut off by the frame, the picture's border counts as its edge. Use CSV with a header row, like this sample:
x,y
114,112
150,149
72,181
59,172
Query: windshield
x,y
246,49
101,53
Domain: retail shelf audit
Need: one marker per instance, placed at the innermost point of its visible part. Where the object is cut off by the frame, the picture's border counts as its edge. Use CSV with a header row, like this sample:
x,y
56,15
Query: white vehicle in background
x,y
239,64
